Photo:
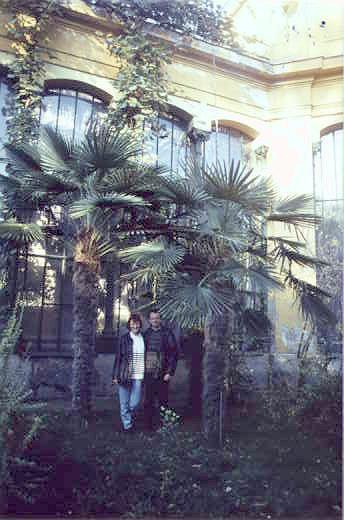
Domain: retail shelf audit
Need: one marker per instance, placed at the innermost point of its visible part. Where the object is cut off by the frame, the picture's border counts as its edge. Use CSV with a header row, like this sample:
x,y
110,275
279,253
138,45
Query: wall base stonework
x,y
49,378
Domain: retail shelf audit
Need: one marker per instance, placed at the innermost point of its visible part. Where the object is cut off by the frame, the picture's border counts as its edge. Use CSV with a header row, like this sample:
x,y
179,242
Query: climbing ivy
x,y
27,30
141,81
197,18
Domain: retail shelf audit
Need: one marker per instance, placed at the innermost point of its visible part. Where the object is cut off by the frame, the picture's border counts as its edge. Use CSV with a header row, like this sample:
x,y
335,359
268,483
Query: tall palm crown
x,y
94,193
212,272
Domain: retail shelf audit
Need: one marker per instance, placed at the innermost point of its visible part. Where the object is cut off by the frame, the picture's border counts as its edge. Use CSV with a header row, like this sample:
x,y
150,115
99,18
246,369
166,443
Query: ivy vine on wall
x,y
142,81
196,18
27,30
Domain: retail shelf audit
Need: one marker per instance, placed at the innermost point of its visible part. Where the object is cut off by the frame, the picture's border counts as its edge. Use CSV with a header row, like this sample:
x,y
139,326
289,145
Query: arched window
x,y
329,203
224,144
70,111
166,142
44,272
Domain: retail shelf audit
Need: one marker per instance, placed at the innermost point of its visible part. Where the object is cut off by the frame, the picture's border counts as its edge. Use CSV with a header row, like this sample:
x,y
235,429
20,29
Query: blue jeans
x,y
129,399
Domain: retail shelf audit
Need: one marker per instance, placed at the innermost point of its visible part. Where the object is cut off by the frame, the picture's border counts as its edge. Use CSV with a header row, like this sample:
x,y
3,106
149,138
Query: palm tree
x,y
92,191
208,273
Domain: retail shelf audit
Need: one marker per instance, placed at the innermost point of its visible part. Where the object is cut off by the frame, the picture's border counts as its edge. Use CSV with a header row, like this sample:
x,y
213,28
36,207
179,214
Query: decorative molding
x,y
197,135
316,147
261,152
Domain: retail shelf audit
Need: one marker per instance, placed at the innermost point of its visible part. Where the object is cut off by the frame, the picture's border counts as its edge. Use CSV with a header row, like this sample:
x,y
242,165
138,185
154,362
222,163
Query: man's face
x,y
154,320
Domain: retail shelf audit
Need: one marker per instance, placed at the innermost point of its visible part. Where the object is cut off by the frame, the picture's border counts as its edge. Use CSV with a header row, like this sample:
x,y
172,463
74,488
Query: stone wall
x,y
49,378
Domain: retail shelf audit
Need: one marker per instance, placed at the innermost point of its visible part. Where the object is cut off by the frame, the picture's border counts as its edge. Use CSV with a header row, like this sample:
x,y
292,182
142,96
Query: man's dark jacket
x,y
169,349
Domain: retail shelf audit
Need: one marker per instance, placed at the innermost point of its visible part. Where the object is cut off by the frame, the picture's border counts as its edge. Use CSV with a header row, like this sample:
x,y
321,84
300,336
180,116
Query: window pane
x,y
165,142
179,149
49,110
235,145
66,113
83,118
224,145
328,177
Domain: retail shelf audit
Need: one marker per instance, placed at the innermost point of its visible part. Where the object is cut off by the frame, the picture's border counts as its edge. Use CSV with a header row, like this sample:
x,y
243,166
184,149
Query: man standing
x,y
161,362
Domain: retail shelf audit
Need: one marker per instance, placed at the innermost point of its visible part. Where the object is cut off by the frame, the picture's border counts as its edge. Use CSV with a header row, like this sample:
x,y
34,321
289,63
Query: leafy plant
x,y
141,80
27,28
226,263
195,18
19,476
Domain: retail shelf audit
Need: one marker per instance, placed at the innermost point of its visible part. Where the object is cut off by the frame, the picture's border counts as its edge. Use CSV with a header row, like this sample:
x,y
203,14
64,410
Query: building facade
x,y
274,101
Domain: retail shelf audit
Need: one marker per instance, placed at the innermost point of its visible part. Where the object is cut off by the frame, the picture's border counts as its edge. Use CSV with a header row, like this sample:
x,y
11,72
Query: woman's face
x,y
135,326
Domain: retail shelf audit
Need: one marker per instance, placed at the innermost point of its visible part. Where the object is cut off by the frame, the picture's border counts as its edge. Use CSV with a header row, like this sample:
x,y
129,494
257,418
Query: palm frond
x,y
295,211
293,244
290,254
253,278
95,204
55,150
225,223
19,232
238,184
297,203
312,301
105,148
189,303
42,182
22,158
157,256
183,193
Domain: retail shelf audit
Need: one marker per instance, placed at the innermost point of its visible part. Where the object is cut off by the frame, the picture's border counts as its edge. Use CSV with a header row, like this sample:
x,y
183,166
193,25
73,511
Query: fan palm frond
x,y
294,211
183,193
189,302
19,232
290,254
55,151
95,204
293,244
253,278
312,301
42,182
238,184
22,158
105,148
157,256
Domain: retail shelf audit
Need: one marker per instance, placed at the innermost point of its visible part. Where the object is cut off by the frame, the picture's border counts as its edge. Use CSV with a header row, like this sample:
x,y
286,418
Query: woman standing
x,y
128,370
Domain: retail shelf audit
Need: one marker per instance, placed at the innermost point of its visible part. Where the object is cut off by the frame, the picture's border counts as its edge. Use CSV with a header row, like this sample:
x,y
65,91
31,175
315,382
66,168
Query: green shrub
x,y
19,476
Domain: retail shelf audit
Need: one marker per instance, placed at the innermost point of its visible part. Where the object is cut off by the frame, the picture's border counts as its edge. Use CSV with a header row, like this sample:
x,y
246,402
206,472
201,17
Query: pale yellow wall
x,y
283,98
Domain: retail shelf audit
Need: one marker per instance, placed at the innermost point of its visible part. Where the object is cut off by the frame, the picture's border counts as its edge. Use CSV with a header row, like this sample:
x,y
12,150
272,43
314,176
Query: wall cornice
x,y
226,60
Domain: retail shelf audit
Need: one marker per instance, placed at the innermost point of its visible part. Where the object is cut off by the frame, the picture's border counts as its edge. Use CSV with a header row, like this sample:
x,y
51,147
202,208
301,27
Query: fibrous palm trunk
x,y
215,338
85,280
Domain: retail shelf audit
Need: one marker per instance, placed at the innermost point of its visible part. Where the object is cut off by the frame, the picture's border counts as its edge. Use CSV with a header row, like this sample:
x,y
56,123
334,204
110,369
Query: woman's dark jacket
x,y
124,359
124,355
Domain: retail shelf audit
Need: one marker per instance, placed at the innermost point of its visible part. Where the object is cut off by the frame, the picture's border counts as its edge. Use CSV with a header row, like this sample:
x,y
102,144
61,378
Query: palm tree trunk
x,y
85,280
215,337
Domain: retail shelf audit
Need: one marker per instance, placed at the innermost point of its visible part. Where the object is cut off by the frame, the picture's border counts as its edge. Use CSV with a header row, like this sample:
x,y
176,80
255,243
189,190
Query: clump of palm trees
x,y
199,244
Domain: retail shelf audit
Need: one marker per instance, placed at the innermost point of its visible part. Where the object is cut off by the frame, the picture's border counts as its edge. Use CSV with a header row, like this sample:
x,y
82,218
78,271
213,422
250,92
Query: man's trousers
x,y
156,395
